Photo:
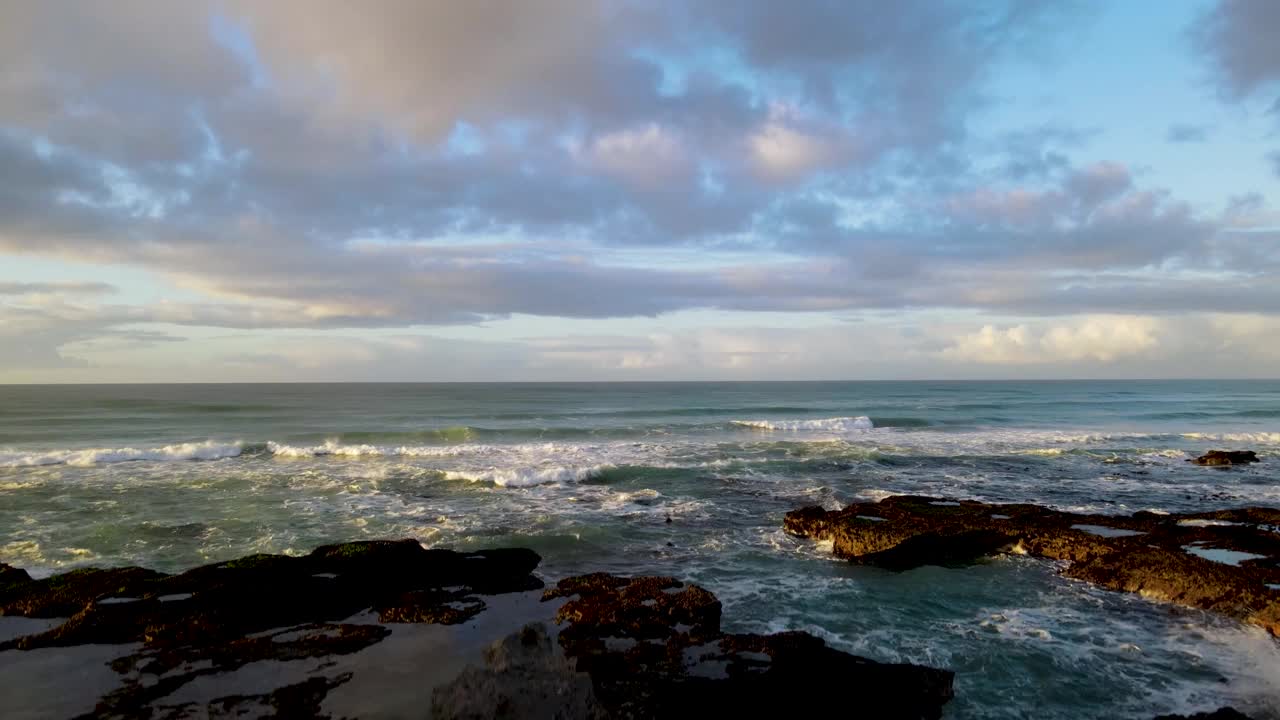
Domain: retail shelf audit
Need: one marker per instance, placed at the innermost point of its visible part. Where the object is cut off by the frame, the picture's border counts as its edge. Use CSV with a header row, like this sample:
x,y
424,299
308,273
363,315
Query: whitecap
x,y
529,476
834,424
330,447
208,450
1242,437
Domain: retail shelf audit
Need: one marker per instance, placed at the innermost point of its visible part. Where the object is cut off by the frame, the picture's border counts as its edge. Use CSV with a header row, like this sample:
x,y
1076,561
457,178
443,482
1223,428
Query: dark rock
x,y
1227,457
524,676
12,576
218,618
69,593
1225,713
300,700
1145,553
400,579
150,674
643,647
654,648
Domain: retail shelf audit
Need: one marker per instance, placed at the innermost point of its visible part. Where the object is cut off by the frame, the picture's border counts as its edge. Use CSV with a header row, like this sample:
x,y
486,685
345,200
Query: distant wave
x,y
208,450
534,458
835,424
1254,437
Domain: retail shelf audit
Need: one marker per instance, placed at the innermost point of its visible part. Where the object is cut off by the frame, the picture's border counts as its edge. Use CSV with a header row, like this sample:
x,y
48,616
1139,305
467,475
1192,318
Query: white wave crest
x,y
337,449
529,476
208,450
835,424
331,447
1272,438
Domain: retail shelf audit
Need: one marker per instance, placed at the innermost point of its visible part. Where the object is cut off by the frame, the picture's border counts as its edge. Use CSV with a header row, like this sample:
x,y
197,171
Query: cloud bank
x,y
326,172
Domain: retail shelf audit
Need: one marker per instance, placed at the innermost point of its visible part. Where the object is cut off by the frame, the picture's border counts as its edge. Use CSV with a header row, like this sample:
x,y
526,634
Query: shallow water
x,y
172,476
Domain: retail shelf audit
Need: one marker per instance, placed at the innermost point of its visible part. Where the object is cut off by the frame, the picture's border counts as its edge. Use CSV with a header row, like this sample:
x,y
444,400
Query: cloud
x,y
1238,37
649,156
787,148
1187,133
56,288
1100,339
294,166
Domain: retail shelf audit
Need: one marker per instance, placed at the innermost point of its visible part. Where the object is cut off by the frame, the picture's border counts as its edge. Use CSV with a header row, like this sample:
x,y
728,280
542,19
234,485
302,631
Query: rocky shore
x,y
389,629
1225,561
382,629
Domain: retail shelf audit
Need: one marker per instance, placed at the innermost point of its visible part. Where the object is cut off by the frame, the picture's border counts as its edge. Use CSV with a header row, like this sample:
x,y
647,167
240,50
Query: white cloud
x,y
649,156
789,147
1097,339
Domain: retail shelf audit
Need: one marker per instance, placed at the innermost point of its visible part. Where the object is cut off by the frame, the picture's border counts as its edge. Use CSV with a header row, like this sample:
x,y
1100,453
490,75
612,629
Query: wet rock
x,y
1226,561
217,618
69,593
12,576
654,648
400,579
524,677
1226,713
155,673
299,700
1227,457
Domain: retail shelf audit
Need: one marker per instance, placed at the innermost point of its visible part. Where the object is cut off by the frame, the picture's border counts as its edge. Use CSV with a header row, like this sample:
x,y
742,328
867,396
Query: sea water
x,y
171,476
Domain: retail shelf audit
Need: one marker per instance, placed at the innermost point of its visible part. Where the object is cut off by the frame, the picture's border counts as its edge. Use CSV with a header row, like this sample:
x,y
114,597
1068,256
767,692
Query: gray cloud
x,y
1187,133
315,165
1239,39
58,288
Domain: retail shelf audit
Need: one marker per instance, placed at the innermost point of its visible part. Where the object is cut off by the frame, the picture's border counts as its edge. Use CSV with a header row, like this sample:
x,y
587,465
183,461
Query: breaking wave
x,y
529,476
208,450
1253,437
835,424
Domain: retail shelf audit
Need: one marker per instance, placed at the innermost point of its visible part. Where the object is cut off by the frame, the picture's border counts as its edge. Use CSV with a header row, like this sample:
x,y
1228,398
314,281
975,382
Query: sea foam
x,y
835,424
207,450
529,476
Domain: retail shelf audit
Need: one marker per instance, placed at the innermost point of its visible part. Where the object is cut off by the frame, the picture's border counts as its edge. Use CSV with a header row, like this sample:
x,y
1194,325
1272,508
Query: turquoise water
x,y
588,474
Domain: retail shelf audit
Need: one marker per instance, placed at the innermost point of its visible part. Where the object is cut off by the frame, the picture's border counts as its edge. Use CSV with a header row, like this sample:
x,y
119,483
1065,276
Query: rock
x,y
524,677
654,648
1226,713
69,593
1146,553
12,576
1227,457
217,618
400,579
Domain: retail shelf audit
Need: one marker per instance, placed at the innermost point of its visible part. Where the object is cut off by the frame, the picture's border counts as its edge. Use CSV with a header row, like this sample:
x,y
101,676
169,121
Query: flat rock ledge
x,y
1225,561
316,636
213,620
654,648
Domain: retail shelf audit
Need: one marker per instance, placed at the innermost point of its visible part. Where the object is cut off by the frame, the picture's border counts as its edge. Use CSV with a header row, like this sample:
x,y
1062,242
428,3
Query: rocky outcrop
x,y
653,647
215,619
12,576
639,647
1227,561
1226,458
1225,713
401,580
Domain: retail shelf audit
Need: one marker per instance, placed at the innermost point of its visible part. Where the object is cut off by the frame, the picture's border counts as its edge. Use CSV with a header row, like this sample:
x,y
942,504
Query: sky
x,y
420,190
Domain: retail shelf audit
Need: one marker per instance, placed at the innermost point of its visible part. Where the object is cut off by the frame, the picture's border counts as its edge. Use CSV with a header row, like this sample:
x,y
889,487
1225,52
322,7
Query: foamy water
x,y
589,475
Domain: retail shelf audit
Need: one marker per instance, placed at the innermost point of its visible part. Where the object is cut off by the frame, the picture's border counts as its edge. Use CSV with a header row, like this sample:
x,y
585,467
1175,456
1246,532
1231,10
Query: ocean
x,y
690,480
